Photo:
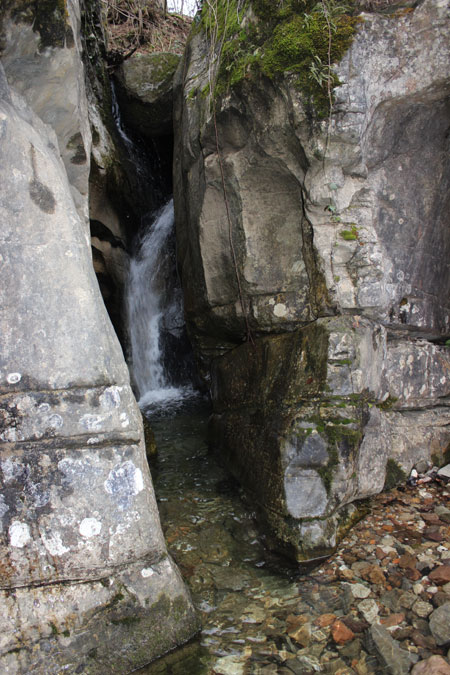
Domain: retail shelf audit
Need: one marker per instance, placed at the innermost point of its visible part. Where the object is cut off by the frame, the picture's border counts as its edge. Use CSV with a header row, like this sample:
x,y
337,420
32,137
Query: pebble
x,y
422,609
369,610
435,665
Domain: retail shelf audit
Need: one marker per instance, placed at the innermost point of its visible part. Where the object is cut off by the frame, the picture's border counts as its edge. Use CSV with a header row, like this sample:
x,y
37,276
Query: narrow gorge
x,y
250,223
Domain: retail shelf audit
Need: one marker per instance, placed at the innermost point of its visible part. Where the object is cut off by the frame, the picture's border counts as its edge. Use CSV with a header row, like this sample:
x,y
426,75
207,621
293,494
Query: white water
x,y
150,303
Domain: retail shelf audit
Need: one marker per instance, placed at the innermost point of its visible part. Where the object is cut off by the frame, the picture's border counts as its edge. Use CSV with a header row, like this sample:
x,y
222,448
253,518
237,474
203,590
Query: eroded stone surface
x,y
344,219
84,563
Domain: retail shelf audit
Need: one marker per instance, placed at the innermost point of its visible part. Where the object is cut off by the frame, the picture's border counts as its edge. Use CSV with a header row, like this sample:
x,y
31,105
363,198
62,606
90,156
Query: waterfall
x,y
155,315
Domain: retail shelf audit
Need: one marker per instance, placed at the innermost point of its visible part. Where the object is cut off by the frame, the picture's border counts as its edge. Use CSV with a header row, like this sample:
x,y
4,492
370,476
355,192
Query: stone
x,y
440,624
325,620
422,609
443,513
392,620
369,610
302,635
145,89
440,575
444,471
81,533
321,315
359,591
435,665
396,660
341,633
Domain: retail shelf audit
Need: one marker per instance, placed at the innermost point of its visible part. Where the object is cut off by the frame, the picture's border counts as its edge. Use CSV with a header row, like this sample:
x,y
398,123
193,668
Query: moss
x,y
126,621
326,472
394,474
349,235
388,403
291,37
342,362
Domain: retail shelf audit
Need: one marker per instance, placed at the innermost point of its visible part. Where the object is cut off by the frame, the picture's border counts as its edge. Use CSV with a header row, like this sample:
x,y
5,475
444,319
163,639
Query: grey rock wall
x,y
86,583
341,242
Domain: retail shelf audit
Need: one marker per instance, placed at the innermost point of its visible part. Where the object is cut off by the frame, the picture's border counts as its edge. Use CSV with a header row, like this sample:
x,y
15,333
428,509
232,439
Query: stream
x,y
242,594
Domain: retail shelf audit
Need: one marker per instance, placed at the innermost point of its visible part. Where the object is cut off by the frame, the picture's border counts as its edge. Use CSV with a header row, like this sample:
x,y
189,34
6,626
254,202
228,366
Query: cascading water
x,y
155,314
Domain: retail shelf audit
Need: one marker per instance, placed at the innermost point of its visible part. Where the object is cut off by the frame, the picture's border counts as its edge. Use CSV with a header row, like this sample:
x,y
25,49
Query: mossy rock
x,y
394,475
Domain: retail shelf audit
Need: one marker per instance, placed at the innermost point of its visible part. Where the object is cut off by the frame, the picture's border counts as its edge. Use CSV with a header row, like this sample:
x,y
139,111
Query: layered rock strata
x,y
327,242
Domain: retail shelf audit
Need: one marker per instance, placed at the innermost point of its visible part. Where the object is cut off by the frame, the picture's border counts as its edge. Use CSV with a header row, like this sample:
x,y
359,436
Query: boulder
x,y
145,88
435,665
86,581
312,255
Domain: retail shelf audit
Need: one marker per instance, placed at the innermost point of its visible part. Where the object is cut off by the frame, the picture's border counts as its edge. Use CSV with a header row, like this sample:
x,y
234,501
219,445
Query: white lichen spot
x,y
92,422
271,302
44,407
53,543
19,534
280,310
12,469
13,378
110,397
69,254
90,527
401,221
54,421
124,421
147,572
124,482
391,197
93,440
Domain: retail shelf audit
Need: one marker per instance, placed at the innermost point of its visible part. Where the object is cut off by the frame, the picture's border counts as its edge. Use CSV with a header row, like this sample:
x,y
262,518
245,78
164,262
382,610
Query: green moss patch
x,y
300,37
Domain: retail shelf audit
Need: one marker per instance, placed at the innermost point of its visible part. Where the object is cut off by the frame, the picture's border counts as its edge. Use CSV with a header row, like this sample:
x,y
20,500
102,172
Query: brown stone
x,y
435,665
395,579
380,554
424,641
355,625
341,633
325,620
393,620
413,574
301,635
407,561
433,533
440,575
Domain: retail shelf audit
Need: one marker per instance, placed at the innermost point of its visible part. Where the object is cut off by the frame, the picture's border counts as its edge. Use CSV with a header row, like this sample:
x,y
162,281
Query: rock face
x,y
331,249
86,584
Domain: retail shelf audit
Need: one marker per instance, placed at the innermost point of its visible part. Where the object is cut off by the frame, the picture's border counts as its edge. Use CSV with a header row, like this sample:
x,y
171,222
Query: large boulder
x,y
145,88
86,584
324,242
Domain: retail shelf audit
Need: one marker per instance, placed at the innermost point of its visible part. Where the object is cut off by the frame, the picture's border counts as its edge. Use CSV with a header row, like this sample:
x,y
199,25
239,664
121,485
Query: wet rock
x,y
369,610
393,620
358,591
325,620
396,660
440,624
435,665
341,633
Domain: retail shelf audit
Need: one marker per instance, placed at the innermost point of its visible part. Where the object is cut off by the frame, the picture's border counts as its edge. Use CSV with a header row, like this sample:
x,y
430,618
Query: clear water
x,y
242,594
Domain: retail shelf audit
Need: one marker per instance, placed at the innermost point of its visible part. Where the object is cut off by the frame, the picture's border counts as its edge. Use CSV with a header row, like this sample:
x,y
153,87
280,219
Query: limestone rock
x,y
54,87
80,535
334,278
146,92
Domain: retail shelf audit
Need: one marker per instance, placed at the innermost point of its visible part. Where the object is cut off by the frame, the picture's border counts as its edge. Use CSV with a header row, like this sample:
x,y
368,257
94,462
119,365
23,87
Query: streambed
x,y
245,598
